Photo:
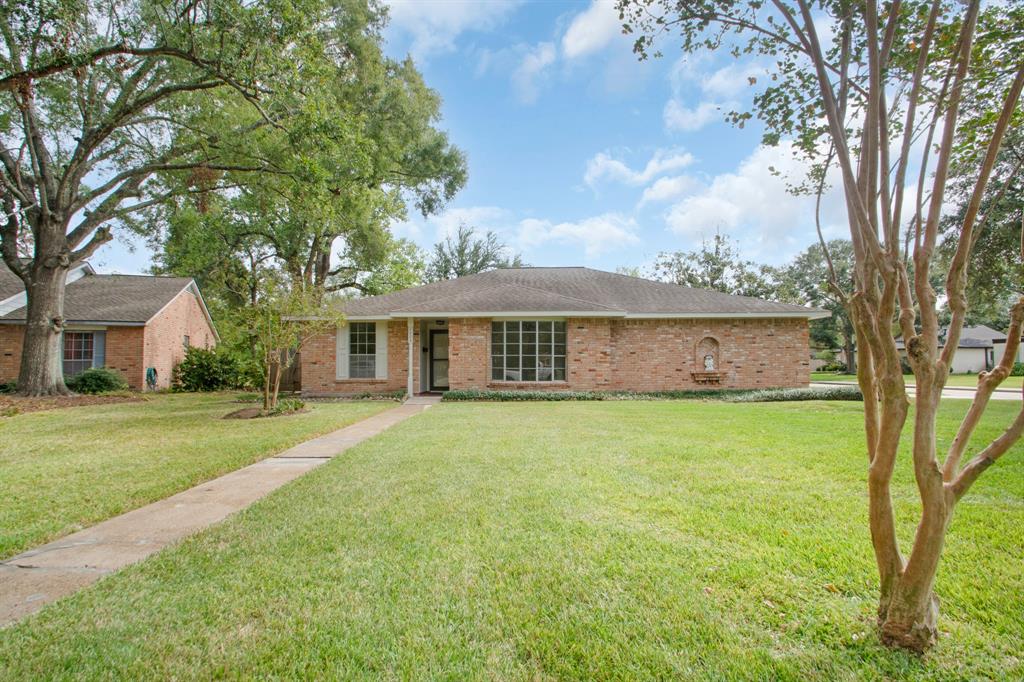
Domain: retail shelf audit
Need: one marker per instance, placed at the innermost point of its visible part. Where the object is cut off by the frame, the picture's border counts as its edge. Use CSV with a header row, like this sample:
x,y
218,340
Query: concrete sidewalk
x,y
39,576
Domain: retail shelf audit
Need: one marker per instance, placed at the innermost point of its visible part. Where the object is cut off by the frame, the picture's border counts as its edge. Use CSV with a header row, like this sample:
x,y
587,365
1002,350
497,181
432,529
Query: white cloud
x,y
604,167
434,25
666,189
751,204
595,235
531,70
591,30
732,80
680,118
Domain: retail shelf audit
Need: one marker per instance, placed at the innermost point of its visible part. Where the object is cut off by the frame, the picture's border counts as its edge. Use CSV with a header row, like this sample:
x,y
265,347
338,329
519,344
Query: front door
x,y
439,360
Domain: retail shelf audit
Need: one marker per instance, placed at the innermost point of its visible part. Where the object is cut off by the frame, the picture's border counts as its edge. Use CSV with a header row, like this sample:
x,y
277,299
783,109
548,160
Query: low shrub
x,y
210,370
834,366
769,395
7,387
287,405
726,394
1017,370
97,380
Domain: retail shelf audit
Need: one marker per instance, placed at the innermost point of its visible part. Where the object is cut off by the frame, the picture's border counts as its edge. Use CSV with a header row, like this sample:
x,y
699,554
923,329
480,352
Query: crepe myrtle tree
x,y
887,96
280,322
93,98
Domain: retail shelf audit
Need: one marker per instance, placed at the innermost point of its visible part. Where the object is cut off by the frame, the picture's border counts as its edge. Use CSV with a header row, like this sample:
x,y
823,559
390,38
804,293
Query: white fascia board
x,y
511,315
809,315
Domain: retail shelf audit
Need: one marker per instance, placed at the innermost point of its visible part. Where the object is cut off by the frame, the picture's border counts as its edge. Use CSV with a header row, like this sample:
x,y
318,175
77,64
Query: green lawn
x,y
62,470
970,380
671,540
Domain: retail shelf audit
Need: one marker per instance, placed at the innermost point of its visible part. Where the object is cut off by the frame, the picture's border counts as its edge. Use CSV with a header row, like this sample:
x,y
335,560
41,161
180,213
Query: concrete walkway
x,y
39,576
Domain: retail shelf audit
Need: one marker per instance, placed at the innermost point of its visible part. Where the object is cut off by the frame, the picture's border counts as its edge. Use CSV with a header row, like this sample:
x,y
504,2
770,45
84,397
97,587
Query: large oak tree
x,y
99,106
888,94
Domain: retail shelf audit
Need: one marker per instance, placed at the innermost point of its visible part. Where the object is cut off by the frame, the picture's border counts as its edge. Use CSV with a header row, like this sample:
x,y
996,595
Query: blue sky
x,y
578,153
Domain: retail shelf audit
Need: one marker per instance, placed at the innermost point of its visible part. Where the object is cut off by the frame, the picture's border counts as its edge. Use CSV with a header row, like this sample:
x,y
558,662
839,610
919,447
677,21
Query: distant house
x,y
979,349
558,329
129,323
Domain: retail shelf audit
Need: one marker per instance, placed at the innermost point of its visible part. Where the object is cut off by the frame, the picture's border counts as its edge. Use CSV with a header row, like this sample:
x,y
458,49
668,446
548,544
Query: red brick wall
x,y
164,342
11,336
659,355
319,368
124,353
469,347
602,354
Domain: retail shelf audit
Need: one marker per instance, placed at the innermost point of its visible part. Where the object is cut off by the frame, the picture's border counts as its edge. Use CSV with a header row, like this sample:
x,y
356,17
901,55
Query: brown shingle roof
x,y
10,284
119,299
565,290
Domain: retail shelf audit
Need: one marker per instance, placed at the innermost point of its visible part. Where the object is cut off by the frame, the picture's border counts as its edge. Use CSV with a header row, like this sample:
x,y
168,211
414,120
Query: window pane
x,y
529,375
559,362
497,373
559,349
559,374
77,352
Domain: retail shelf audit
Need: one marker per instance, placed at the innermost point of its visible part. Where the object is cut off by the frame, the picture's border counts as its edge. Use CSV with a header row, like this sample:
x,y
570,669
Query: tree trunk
x,y
41,370
279,368
266,381
851,358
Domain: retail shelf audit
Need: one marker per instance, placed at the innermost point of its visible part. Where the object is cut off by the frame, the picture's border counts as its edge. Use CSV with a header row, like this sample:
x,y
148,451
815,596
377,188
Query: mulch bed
x,y
10,404
257,413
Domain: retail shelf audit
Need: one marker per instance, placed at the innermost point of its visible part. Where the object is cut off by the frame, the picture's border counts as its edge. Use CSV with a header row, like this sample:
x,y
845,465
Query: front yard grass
x,y
672,540
63,470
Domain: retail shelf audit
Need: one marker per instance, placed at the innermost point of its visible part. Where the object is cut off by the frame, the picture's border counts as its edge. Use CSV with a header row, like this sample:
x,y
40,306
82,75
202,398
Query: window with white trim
x,y
362,350
527,350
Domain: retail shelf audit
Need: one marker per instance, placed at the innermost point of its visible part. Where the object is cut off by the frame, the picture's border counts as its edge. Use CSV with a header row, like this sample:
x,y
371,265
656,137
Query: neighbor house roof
x,y
972,337
581,292
107,299
10,284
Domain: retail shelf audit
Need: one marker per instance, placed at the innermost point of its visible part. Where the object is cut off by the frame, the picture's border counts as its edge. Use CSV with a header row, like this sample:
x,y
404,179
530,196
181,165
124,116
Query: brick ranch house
x,y
558,329
125,322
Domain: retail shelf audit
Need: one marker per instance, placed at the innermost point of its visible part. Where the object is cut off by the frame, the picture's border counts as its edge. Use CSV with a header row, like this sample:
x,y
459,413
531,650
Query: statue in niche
x,y
709,363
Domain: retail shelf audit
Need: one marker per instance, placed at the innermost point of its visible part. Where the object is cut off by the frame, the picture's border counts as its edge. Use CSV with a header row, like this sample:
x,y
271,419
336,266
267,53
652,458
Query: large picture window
x,y
78,352
362,350
527,350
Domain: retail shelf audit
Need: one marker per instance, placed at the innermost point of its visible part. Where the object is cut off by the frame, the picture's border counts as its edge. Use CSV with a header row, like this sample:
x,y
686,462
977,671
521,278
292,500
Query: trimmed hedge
x,y
726,394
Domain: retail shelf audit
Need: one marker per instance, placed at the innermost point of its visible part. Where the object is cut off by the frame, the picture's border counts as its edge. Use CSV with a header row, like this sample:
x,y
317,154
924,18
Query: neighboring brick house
x,y
559,329
124,322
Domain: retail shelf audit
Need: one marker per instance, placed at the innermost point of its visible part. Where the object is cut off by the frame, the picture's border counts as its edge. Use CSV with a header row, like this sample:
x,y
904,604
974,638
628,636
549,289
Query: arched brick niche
x,y
708,361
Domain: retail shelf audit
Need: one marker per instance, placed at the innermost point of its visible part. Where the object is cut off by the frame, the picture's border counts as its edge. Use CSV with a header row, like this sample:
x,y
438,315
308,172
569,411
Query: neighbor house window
x,y
362,350
528,350
78,352
186,341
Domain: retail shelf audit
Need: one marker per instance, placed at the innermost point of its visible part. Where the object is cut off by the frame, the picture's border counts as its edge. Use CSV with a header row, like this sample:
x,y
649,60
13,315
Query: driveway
x,y
953,392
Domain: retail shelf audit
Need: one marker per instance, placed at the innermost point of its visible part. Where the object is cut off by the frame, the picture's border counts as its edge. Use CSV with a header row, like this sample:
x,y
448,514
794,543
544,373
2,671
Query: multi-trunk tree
x,y
889,94
105,111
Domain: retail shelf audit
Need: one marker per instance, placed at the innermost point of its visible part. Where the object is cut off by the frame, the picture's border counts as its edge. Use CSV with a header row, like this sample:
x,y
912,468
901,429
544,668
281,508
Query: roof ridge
x,y
497,285
570,298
